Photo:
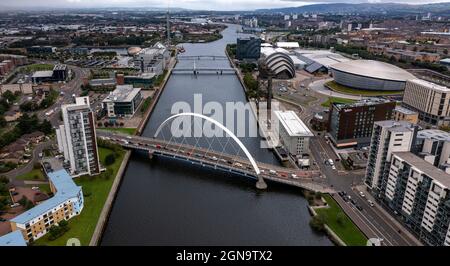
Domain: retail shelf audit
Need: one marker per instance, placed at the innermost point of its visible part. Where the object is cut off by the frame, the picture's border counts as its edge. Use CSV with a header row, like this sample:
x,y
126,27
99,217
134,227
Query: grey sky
x,y
191,4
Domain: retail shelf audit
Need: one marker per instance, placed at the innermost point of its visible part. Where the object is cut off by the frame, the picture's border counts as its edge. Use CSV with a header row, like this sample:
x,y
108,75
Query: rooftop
x,y
65,189
14,239
374,69
293,124
430,85
123,93
404,110
43,74
435,134
288,45
430,170
363,102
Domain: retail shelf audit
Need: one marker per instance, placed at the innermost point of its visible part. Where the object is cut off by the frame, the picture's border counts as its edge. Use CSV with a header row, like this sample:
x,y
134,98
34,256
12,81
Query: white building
x,y
387,137
77,137
294,134
152,60
430,100
123,101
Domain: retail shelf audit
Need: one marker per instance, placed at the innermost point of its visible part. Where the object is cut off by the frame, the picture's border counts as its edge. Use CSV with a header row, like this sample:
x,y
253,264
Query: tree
x,y
340,218
110,159
2,121
46,127
317,223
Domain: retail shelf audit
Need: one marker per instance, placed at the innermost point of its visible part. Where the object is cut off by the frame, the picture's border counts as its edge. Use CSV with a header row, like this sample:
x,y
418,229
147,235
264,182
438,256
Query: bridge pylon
x,y
261,184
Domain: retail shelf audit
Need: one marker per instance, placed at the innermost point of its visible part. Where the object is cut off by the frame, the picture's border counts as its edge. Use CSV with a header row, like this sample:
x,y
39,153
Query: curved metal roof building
x,y
279,62
370,75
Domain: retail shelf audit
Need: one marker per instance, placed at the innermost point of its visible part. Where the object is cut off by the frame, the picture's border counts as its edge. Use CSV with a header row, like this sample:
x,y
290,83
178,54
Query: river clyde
x,y
166,202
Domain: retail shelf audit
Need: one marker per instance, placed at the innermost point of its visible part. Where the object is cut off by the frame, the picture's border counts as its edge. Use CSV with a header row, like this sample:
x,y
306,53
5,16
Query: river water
x,y
167,202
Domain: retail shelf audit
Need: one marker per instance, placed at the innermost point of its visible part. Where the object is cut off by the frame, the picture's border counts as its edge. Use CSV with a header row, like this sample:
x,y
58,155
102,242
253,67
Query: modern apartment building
x,y
152,60
294,134
77,137
418,193
66,203
388,137
433,146
430,100
352,124
123,101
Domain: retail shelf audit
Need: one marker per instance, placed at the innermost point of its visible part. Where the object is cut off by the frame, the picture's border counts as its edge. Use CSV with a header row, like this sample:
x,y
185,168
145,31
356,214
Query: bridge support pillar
x,y
261,184
150,155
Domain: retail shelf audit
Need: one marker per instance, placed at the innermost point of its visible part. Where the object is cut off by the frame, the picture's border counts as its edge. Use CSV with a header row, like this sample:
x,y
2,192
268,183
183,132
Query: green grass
x,y
96,191
32,175
336,100
37,67
345,229
124,130
343,89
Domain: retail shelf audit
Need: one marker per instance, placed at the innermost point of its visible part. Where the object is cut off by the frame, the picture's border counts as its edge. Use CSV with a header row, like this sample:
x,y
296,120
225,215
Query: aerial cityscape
x,y
205,123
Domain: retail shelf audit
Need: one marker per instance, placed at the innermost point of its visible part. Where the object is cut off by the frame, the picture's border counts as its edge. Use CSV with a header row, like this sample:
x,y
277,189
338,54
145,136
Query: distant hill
x,y
388,8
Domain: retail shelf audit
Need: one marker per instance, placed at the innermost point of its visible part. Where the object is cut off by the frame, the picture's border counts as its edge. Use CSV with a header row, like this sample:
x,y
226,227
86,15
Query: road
x,y
374,221
28,167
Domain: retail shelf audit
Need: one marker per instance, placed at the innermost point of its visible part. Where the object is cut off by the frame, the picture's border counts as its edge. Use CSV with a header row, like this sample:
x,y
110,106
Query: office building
x,y
66,203
59,73
404,114
123,101
430,100
418,193
294,134
248,48
352,124
152,60
77,138
388,137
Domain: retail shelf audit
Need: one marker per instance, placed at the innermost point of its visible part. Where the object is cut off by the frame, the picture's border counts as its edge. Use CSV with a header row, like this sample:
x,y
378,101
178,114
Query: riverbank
x,y
100,227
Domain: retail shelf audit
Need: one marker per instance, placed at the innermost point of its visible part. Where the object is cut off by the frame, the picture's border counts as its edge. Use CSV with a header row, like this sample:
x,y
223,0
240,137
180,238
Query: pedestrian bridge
x,y
218,160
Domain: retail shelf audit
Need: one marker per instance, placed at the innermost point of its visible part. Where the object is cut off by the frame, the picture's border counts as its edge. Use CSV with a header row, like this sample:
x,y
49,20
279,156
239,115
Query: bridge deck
x,y
310,180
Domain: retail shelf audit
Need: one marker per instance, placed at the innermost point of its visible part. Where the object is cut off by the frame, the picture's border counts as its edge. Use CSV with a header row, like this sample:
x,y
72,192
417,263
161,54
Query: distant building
x,y
123,101
66,203
77,137
388,137
352,124
152,60
279,62
41,50
430,100
294,134
370,75
248,48
59,73
404,114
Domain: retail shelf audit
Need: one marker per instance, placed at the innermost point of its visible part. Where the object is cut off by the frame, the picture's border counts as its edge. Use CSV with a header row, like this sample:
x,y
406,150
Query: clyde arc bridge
x,y
239,164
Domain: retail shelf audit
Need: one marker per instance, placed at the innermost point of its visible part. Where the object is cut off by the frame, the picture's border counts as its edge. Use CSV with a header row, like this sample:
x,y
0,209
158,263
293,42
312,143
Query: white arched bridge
x,y
244,165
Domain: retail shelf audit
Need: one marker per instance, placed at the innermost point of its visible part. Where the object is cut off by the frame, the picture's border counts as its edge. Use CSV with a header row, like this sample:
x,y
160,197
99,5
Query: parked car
x,y
371,203
362,194
358,207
